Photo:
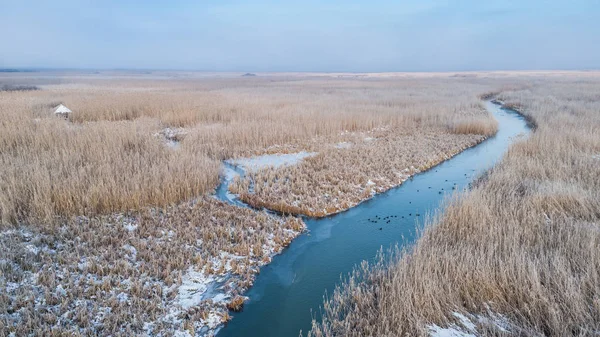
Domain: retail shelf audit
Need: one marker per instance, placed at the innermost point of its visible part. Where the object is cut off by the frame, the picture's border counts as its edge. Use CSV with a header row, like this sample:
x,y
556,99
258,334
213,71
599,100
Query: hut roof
x,y
61,109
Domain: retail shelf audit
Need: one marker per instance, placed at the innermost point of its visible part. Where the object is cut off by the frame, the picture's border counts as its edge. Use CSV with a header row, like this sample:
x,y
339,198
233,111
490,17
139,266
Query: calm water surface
x,y
289,291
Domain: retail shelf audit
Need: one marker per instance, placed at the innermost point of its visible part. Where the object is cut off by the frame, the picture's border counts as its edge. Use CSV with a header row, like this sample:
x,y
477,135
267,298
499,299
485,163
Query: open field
x,y
516,255
110,155
101,233
425,123
110,210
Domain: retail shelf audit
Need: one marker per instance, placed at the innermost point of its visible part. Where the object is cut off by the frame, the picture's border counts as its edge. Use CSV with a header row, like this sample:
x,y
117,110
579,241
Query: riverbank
x,y
288,291
108,222
339,178
171,271
515,255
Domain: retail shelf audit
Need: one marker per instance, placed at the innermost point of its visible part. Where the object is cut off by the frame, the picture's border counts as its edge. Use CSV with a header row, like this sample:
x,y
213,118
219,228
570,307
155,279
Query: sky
x,y
322,36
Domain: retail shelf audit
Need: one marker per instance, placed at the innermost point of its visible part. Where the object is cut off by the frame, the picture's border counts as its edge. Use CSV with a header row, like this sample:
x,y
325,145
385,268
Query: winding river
x,y
289,291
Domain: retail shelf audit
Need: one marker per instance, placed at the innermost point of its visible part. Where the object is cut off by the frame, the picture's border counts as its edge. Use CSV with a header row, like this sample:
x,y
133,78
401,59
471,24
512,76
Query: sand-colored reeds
x,y
51,167
339,178
105,214
516,255
110,155
110,274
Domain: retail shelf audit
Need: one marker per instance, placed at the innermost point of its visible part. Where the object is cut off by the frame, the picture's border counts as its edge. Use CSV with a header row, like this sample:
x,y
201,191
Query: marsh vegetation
x,y
516,255
107,216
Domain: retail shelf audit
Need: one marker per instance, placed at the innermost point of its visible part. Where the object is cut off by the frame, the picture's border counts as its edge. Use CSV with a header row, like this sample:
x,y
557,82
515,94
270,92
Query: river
x,y
289,291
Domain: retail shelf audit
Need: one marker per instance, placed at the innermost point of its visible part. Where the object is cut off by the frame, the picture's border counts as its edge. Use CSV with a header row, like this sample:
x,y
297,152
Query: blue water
x,y
289,291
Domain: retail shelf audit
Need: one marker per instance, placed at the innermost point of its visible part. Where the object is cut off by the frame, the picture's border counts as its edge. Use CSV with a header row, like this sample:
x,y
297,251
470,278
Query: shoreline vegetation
x,y
318,179
107,223
515,255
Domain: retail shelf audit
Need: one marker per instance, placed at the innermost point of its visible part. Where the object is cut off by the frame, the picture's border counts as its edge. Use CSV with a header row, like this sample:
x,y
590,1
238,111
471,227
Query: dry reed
x,y
122,274
517,255
84,252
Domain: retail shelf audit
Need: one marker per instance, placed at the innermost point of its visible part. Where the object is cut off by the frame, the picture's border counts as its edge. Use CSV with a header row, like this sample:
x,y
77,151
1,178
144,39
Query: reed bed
x,y
516,255
106,218
339,178
109,156
51,167
125,274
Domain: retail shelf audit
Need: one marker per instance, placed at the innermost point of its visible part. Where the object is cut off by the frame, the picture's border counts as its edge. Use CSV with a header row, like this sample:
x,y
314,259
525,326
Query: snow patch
x,y
464,321
220,298
130,227
182,333
213,320
452,331
172,136
82,264
270,160
466,327
10,286
193,286
33,249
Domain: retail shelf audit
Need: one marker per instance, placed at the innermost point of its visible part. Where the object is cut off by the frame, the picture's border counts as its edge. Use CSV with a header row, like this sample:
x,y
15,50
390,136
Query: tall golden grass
x,y
518,254
340,178
106,157
73,191
52,167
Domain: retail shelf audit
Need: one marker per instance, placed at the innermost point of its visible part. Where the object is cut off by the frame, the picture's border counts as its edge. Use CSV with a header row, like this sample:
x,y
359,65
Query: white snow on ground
x,y
467,328
369,139
171,136
464,321
10,286
132,252
271,160
182,333
213,320
220,298
453,331
122,297
32,248
130,227
196,287
193,285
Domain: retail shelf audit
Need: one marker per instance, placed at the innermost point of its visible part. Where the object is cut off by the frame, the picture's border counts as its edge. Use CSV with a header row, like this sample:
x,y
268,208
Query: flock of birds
x,y
389,218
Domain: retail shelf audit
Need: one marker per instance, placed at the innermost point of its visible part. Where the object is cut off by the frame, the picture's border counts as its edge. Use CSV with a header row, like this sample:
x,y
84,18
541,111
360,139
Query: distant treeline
x,y
18,87
10,70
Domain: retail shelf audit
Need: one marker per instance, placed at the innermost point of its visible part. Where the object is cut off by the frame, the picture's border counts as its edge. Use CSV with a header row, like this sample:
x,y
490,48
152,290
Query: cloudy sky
x,y
305,35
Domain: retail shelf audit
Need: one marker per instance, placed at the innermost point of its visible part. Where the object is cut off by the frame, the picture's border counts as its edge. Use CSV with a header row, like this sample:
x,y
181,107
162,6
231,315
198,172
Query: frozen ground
x,y
466,326
112,270
270,160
